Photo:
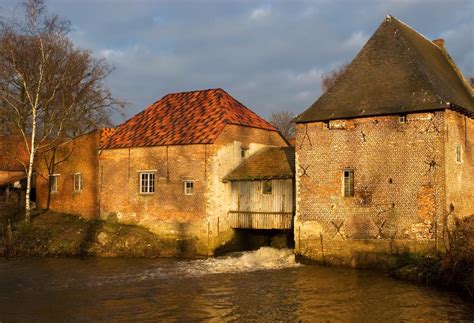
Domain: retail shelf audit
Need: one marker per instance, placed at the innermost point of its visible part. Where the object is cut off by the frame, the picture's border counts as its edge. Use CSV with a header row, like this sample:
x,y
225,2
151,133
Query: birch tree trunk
x,y
30,169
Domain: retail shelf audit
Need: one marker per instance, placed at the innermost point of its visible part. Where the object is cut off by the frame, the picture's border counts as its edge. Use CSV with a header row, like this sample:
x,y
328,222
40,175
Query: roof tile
x,y
196,117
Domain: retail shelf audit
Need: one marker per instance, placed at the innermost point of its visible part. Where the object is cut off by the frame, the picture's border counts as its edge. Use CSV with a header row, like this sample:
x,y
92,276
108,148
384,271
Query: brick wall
x,y
399,185
460,175
77,156
199,219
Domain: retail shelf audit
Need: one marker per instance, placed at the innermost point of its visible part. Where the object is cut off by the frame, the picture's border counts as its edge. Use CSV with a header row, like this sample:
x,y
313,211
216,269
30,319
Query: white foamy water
x,y
265,258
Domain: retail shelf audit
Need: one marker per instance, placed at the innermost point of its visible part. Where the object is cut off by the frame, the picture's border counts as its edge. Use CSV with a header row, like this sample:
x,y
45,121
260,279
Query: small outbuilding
x,y
262,190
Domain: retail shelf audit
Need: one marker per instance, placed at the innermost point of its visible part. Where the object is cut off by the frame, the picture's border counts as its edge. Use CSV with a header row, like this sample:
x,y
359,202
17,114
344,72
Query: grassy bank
x,y
55,234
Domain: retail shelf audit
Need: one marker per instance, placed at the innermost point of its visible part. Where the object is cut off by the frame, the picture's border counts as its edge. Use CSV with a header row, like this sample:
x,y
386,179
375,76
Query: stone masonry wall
x,y
196,223
399,186
76,156
459,175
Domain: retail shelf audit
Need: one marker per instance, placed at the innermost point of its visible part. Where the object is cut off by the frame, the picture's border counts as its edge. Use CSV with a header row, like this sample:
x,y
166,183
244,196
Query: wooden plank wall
x,y
247,196
250,208
244,220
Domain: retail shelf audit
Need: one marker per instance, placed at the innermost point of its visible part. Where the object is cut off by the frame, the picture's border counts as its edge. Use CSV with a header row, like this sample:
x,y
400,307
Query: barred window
x,y
458,153
147,182
78,182
54,183
243,152
188,187
348,182
402,118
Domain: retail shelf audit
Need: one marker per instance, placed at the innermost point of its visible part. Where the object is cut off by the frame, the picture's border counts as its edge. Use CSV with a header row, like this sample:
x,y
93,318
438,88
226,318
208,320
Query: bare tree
x,y
329,79
282,121
48,88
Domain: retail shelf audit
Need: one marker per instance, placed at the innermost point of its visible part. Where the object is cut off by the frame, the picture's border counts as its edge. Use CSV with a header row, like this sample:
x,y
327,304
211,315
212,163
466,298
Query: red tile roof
x,y
104,134
196,117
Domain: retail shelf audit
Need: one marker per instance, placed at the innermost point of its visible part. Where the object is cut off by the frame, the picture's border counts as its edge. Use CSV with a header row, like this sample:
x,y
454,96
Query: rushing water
x,y
263,285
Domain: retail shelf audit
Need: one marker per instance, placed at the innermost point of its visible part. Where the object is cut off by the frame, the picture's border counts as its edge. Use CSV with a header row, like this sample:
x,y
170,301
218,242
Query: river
x,y
263,285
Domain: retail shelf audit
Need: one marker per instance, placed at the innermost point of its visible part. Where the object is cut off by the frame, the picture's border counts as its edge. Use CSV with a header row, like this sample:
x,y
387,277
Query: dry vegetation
x,y
453,269
56,234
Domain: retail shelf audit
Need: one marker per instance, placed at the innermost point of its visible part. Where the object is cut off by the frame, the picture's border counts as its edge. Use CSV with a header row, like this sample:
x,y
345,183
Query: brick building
x,y
67,175
385,157
13,161
163,168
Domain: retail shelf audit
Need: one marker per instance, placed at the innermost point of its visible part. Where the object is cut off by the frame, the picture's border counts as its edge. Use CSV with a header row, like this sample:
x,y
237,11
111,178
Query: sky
x,y
269,55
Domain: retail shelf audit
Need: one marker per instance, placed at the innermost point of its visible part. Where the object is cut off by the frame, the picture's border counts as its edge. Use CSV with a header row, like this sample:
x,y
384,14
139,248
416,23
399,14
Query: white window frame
x,y
348,182
188,190
402,118
146,182
54,183
78,182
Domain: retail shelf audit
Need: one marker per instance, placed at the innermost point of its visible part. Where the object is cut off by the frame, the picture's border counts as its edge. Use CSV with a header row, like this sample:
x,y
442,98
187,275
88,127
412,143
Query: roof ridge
x,y
422,71
445,55
245,108
411,28
192,91
461,76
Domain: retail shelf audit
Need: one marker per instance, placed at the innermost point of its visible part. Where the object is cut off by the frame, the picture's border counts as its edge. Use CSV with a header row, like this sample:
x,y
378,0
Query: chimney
x,y
439,42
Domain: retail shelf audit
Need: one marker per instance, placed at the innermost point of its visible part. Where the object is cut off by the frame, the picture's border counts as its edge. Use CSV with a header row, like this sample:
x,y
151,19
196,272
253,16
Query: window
x,y
267,187
458,153
78,182
188,187
348,182
147,183
402,118
54,183
243,152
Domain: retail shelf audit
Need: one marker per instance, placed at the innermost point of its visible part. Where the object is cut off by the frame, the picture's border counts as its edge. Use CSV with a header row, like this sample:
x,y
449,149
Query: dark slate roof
x,y
269,163
196,117
397,71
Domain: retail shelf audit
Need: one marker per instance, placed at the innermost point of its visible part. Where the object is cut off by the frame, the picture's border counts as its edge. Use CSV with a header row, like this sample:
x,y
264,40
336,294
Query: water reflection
x,y
265,286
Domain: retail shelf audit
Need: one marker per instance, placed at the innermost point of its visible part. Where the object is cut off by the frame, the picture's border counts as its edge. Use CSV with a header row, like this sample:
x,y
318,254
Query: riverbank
x,y
453,269
63,235
55,234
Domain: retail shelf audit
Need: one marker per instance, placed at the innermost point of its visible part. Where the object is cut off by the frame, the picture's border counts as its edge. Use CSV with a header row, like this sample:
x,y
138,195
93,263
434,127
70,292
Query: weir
x,y
253,239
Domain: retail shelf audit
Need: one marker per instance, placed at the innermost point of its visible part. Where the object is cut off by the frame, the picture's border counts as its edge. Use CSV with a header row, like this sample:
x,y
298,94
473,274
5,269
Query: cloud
x,y
260,13
270,57
311,76
356,40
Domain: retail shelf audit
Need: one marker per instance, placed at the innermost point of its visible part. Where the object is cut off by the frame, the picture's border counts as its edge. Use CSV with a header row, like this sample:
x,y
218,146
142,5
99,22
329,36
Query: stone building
x,y
164,167
67,175
385,157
